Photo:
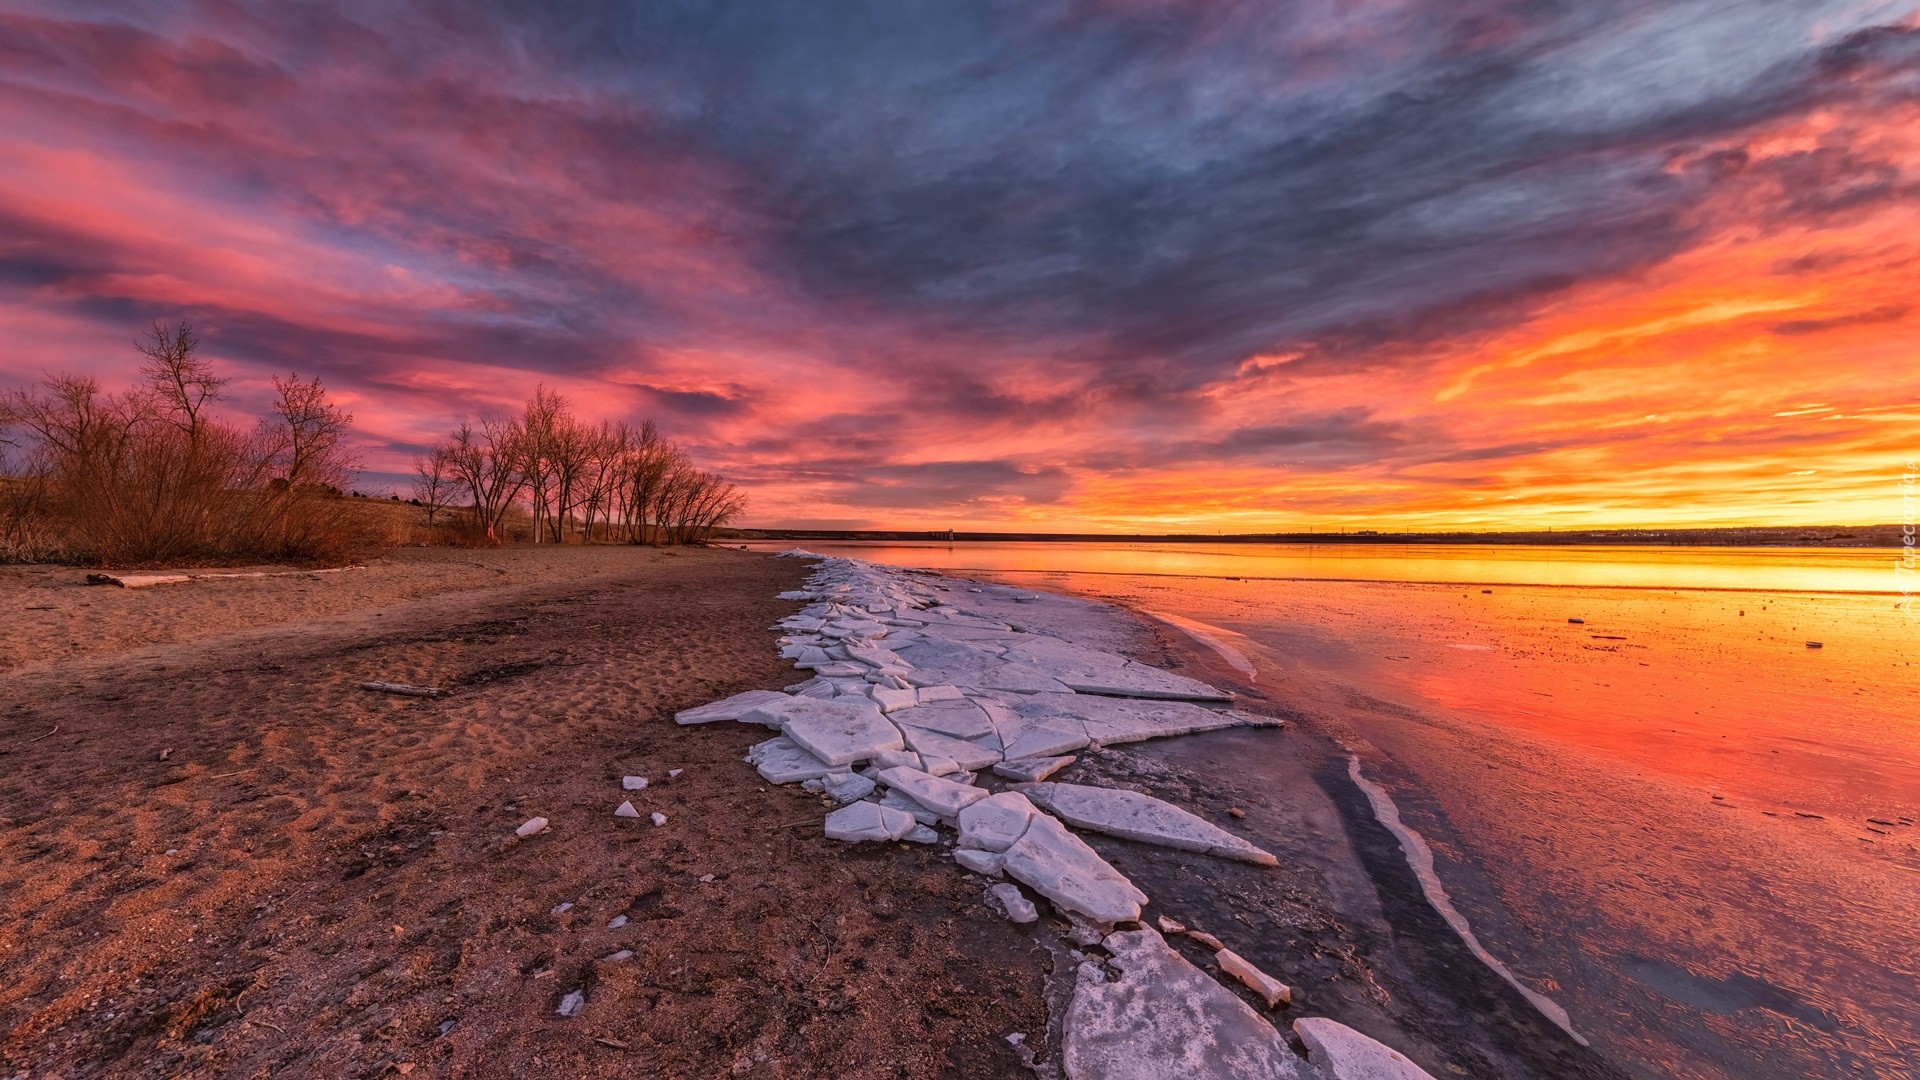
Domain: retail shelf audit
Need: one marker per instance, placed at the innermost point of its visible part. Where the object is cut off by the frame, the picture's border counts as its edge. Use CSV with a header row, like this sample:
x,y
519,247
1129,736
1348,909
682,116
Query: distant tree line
x,y
149,476
573,479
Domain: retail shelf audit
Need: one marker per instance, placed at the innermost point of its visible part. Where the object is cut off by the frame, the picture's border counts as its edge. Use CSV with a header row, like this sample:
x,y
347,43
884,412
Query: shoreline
x,y
1411,980
512,640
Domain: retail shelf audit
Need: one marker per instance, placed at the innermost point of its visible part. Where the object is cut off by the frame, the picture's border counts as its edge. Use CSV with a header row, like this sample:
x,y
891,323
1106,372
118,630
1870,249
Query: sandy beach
x,y
223,858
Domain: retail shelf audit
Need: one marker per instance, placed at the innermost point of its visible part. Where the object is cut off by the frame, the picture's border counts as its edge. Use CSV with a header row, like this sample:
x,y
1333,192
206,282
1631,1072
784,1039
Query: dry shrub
x,y
148,477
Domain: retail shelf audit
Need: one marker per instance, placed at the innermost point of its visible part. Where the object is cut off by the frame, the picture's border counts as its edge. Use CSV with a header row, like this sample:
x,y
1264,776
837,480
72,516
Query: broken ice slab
x,y
959,718
731,708
1133,816
780,761
860,821
838,732
1344,1054
996,822
1061,867
1271,990
1033,769
933,744
1165,1017
1139,680
943,797
1014,903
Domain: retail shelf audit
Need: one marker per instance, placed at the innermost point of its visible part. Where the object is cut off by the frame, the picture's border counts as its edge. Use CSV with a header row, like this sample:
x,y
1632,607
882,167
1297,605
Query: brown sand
x,y
315,880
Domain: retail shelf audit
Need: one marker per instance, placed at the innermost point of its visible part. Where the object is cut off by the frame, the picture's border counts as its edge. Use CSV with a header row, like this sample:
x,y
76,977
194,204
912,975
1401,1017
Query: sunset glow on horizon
x,y
1077,266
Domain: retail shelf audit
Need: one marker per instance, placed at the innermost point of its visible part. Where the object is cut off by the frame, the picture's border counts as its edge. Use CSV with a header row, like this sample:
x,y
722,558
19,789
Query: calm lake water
x,y
1673,817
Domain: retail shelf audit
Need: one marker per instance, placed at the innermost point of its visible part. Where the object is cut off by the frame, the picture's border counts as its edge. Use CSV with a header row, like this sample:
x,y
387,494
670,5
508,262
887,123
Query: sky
x,y
1108,265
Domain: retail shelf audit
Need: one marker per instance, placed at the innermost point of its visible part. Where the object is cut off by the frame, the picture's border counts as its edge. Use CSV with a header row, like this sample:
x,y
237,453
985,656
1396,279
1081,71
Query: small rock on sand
x,y
674,774
1344,1054
1014,903
1170,926
634,783
626,810
1274,992
1206,939
572,1004
659,818
531,826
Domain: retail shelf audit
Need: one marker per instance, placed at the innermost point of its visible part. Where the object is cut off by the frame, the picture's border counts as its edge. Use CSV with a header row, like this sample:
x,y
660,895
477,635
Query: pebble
x,y
572,1004
706,879
1170,926
614,958
561,909
634,783
531,826
658,818
674,774
626,810
616,922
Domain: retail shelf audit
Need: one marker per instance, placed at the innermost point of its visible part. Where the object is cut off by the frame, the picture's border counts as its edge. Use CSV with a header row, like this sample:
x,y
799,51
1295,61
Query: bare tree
x,y
184,382
488,463
433,480
307,435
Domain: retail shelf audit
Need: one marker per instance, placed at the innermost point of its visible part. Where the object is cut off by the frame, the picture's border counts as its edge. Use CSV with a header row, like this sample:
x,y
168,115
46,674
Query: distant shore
x,y
1823,536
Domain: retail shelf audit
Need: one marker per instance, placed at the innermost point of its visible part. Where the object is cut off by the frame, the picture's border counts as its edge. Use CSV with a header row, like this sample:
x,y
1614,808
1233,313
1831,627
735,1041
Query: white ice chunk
x,y
890,700
1014,903
727,708
996,822
1134,816
1344,1054
1061,867
1033,769
933,744
838,732
846,787
943,797
1270,989
980,862
1165,1017
898,801
961,719
868,821
781,762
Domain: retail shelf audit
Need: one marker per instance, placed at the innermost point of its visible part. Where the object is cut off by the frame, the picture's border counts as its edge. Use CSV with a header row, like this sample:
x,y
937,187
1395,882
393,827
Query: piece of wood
x,y
403,689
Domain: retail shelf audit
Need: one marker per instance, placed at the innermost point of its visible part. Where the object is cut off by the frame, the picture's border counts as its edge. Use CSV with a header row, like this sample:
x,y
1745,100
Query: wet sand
x,y
316,881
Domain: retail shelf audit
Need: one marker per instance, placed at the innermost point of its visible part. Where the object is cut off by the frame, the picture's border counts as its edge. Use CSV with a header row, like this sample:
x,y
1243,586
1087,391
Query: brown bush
x,y
148,477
